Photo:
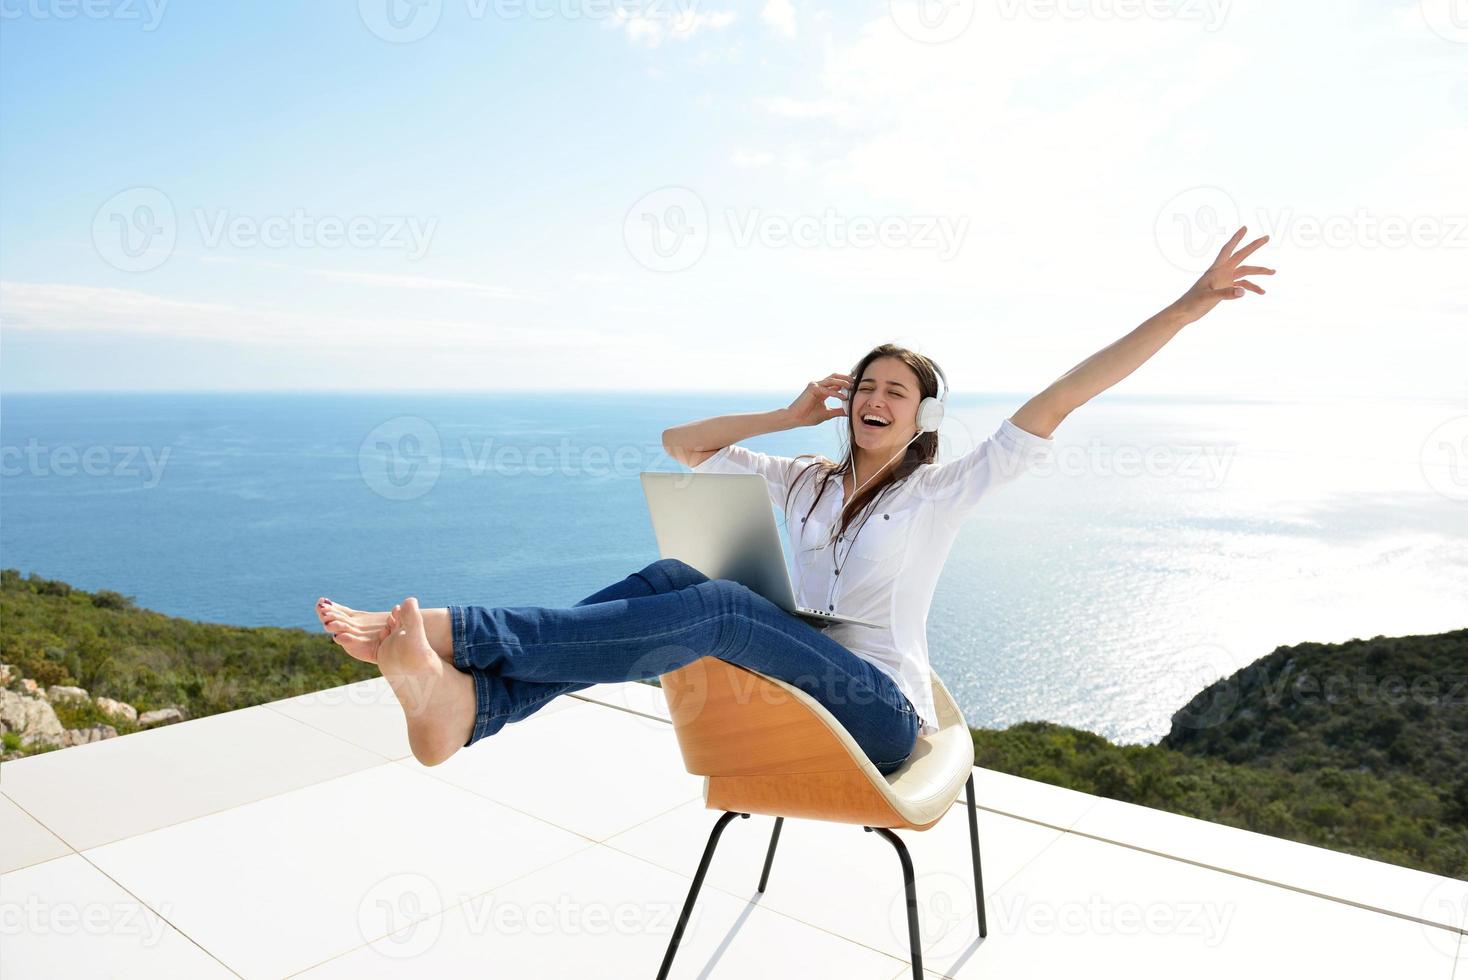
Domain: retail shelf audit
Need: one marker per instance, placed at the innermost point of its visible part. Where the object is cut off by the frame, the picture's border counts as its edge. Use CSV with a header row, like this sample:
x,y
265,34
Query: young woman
x,y
870,535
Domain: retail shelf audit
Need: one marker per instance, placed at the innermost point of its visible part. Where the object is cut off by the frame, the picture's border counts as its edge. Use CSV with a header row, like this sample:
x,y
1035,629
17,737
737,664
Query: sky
x,y
695,195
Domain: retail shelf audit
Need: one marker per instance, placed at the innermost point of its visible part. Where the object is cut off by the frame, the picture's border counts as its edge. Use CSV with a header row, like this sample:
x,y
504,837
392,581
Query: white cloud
x,y
780,16
62,307
426,282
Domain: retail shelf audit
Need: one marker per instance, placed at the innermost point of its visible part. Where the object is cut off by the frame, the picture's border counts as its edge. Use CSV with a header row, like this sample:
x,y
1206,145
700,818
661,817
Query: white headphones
x,y
929,417
930,410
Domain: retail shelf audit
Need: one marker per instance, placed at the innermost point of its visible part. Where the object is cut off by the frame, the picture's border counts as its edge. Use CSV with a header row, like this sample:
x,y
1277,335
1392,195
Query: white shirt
x,y
888,569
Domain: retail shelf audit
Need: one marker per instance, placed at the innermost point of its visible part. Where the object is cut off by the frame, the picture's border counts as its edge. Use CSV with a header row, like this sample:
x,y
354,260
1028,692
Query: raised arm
x,y
694,442
1224,280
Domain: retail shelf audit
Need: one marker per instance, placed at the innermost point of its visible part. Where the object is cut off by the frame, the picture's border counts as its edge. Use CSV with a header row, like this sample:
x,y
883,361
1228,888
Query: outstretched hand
x,y
1225,278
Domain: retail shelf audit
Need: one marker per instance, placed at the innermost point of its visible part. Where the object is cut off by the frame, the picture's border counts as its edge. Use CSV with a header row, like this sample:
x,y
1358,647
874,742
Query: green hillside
x,y
1359,746
100,641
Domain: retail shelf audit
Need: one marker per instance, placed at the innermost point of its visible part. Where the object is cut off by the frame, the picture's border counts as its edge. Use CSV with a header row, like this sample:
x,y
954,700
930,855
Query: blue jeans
x,y
655,621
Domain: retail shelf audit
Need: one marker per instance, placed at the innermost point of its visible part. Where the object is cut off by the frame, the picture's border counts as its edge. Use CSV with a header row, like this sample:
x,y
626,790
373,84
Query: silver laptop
x,y
723,525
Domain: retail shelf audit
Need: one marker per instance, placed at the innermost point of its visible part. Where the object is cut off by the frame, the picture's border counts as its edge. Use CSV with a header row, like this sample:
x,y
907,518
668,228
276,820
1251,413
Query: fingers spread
x,y
1250,248
1228,246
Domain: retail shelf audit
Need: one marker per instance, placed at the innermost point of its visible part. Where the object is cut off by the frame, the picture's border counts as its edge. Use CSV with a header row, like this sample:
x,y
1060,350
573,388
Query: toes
x,y
358,645
411,616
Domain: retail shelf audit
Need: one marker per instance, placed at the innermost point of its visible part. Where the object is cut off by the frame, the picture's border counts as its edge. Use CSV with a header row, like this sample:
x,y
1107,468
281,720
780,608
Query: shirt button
x,y
831,608
838,571
886,517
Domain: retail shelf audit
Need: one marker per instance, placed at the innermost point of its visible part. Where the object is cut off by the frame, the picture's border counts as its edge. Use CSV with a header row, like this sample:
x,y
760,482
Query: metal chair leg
x,y
770,856
703,866
910,886
973,838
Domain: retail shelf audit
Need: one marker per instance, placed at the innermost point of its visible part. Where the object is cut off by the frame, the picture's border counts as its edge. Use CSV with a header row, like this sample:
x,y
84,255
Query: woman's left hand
x,y
1225,278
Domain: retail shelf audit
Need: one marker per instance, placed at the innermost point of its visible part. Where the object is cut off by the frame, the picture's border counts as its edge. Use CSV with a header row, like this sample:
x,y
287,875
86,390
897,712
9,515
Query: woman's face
x,y
888,391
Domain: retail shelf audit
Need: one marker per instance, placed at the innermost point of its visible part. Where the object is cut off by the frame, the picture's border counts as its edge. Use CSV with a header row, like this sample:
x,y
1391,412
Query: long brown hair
x,y
923,450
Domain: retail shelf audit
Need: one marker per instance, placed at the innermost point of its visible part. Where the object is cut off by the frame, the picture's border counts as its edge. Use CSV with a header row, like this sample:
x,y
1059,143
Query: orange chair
x,y
765,746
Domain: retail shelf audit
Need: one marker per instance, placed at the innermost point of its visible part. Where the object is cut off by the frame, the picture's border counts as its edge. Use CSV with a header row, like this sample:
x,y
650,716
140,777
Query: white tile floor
x,y
23,840
300,838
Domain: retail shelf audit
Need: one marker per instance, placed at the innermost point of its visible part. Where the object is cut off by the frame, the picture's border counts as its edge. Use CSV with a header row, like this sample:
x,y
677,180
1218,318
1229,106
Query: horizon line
x,y
782,391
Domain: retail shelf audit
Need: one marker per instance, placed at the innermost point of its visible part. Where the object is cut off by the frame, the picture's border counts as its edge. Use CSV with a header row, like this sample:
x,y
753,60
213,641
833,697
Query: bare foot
x,y
359,632
438,701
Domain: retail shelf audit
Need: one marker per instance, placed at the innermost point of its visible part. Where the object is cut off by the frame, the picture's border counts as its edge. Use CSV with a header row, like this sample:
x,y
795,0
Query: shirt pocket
x,y
812,543
882,536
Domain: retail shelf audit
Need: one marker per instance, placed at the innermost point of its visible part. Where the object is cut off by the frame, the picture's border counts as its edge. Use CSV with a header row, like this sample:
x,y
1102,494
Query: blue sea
x,y
1174,541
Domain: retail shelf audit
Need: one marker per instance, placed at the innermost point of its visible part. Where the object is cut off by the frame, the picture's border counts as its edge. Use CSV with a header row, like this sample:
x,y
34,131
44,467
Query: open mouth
x,y
874,422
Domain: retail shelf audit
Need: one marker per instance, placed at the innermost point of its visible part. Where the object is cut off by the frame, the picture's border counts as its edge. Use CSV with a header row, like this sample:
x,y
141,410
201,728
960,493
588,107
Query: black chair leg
x,y
973,838
911,888
770,856
703,866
